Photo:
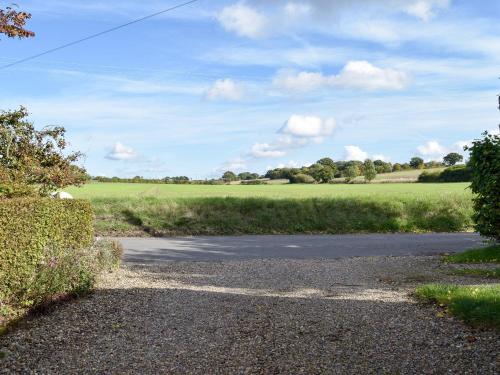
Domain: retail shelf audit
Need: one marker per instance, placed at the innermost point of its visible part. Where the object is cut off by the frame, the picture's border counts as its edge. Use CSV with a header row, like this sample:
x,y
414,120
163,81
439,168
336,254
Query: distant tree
x,y
382,166
370,171
321,173
452,158
351,172
433,164
35,162
12,23
327,162
417,163
248,176
396,167
229,176
405,166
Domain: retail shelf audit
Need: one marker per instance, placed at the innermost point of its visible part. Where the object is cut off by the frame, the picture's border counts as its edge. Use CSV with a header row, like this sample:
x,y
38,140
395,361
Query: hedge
x,y
46,250
457,173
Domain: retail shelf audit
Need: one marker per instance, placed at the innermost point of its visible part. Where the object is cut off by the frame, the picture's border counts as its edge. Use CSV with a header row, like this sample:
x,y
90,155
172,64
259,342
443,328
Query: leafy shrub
x,y
429,177
457,173
253,182
47,250
485,164
34,162
302,178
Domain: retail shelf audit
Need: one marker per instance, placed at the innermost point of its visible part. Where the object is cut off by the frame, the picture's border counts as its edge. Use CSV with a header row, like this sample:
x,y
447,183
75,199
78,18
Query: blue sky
x,y
249,85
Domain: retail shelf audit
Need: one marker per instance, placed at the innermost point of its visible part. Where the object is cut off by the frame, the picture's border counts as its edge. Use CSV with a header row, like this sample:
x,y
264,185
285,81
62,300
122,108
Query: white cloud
x,y
381,157
309,127
265,150
355,74
289,164
243,20
225,89
363,75
121,152
432,148
426,9
298,131
355,153
289,80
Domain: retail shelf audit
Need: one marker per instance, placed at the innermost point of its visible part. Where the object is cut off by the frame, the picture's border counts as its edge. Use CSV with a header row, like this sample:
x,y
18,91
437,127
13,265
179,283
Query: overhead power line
x,y
97,34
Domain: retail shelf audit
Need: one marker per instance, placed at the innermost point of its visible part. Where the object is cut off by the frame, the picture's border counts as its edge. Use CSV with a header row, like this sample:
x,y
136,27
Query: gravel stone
x,y
343,316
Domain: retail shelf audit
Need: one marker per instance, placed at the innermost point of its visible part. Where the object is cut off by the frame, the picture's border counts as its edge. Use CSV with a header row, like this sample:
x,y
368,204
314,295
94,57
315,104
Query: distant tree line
x,y
325,170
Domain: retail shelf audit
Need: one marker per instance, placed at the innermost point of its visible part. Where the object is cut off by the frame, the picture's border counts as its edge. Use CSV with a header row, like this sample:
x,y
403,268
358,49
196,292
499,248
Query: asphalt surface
x,y
158,250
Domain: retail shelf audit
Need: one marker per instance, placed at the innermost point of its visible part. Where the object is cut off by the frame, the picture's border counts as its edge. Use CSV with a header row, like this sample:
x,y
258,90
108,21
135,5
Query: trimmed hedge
x,y
44,251
457,173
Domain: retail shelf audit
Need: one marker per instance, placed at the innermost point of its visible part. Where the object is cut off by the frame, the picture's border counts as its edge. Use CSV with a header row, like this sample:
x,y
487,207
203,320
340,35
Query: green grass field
x,y
160,209
123,190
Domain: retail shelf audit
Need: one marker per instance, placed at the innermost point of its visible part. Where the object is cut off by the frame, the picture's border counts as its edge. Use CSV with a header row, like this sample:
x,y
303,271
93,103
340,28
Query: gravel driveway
x,y
335,316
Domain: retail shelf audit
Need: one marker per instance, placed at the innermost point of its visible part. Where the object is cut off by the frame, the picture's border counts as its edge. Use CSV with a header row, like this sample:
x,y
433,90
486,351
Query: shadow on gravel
x,y
200,322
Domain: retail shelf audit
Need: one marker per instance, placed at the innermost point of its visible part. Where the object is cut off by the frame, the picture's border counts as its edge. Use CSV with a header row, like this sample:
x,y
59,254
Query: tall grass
x,y
258,215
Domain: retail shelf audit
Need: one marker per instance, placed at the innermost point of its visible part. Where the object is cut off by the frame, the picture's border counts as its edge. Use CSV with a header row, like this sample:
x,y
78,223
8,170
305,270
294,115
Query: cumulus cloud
x,y
298,131
225,89
363,75
121,152
356,153
265,150
308,127
355,74
243,20
433,150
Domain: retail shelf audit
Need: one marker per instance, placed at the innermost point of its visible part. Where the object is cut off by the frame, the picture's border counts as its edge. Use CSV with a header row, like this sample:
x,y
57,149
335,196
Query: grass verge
x,y
490,254
476,305
492,274
258,215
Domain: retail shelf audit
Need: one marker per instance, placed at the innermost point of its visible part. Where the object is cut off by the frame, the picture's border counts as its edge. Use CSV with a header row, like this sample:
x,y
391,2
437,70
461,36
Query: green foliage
x,y
427,176
253,182
258,215
397,167
351,172
457,173
485,164
490,274
452,158
321,173
490,254
476,305
382,166
416,163
302,178
44,249
229,176
34,161
248,176
370,172
327,162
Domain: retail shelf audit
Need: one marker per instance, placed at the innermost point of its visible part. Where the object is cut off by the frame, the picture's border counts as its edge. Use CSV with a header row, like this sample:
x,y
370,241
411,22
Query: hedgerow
x,y
233,215
46,250
485,164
